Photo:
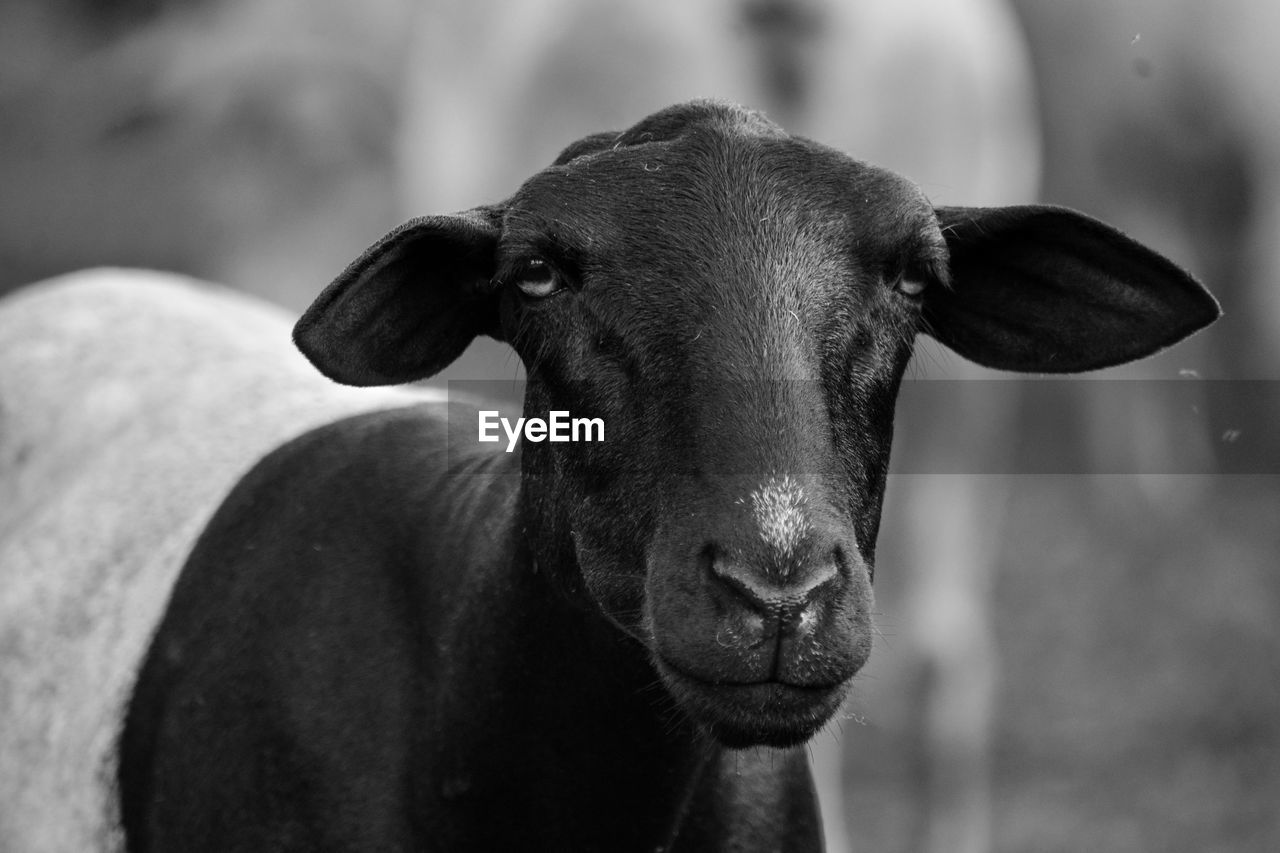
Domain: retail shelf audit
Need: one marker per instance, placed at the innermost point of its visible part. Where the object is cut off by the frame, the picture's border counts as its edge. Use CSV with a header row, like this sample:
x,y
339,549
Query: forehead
x,y
713,184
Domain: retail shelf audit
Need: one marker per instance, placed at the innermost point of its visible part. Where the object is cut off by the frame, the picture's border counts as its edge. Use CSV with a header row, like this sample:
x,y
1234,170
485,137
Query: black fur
x,y
382,644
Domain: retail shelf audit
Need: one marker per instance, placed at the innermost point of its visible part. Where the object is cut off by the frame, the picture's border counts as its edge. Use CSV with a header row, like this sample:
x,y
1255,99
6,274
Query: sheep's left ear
x,y
409,305
1049,290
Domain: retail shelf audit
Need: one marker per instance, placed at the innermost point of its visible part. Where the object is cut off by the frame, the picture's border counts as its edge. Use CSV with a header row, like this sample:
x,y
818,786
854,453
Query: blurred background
x,y
1080,660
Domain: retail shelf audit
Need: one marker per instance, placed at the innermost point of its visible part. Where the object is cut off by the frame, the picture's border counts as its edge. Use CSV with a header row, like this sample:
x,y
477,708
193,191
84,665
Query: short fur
x,y
131,402
383,641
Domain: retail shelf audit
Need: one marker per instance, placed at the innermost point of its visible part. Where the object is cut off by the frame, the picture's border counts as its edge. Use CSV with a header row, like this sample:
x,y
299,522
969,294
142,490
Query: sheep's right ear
x,y
409,305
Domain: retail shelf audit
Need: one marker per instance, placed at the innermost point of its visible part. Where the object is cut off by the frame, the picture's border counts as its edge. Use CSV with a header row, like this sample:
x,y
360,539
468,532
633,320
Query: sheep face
x,y
738,307
738,315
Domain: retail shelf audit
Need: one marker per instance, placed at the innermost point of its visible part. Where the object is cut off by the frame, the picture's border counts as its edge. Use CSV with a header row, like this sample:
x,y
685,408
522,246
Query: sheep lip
x,y
670,669
757,713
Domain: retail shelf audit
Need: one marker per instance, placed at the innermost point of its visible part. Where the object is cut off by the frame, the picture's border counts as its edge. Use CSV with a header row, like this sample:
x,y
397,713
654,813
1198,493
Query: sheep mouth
x,y
757,713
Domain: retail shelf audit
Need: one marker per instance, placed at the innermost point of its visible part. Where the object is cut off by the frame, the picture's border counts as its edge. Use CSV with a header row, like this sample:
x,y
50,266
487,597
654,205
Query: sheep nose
x,y
785,602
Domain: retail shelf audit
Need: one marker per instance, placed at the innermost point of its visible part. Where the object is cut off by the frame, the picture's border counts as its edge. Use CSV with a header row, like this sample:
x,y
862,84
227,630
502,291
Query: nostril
x,y
740,581
784,599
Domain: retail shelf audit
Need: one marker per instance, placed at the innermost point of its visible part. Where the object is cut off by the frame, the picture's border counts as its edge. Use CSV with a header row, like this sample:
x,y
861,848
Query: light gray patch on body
x,y
781,520
131,402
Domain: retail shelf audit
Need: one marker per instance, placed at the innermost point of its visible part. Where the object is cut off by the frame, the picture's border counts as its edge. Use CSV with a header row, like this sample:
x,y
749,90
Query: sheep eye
x,y
537,279
910,286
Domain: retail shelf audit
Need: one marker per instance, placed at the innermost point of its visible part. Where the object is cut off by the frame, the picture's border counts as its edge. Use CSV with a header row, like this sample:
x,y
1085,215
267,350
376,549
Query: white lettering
x,y
589,426
558,427
486,424
513,435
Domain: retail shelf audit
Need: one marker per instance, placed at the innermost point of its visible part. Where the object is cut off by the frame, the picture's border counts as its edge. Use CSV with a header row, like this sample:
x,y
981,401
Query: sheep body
x,y
385,639
130,403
